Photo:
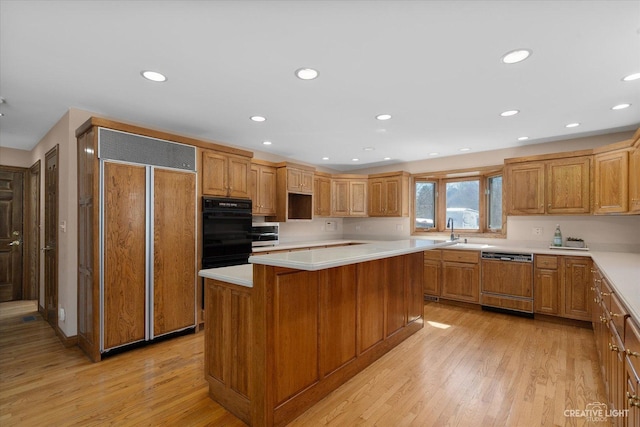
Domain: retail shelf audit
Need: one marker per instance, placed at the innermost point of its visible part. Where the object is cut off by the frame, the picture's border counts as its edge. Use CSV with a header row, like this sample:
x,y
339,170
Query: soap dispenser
x,y
557,236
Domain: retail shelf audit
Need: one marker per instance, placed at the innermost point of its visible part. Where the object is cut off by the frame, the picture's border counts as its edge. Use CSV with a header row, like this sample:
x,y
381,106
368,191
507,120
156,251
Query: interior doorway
x,y
11,232
31,288
50,249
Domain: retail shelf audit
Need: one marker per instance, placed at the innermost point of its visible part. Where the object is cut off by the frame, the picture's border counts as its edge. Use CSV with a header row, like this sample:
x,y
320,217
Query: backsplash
x,y
601,233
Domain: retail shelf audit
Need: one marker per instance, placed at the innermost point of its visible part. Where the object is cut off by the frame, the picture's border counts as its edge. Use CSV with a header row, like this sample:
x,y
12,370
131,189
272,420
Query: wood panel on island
x,y
299,334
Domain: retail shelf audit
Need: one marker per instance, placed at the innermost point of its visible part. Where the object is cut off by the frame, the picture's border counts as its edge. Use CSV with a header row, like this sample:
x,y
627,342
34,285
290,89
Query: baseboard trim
x,y
66,341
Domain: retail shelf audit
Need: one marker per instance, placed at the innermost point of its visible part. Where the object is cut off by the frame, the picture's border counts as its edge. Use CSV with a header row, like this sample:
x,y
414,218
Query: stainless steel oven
x,y
226,231
265,233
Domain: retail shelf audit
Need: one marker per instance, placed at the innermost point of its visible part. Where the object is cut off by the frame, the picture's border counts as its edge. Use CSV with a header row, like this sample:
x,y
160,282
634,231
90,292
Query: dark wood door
x,y
11,247
50,248
31,288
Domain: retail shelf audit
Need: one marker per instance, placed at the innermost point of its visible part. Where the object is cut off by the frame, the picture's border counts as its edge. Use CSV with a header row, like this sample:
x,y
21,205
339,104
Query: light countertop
x,y
622,270
237,274
319,259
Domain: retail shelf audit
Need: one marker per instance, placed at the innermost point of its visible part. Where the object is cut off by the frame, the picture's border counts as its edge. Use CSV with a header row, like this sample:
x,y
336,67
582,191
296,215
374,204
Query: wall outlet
x,y
331,226
536,231
61,314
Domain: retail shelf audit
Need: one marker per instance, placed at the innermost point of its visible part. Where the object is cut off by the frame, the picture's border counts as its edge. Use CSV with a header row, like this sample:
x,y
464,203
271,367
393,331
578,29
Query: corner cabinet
x,y
225,175
136,210
554,186
389,194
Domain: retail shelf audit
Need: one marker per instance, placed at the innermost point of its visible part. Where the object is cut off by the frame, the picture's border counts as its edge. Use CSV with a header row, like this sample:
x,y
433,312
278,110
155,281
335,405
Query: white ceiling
x,y
434,65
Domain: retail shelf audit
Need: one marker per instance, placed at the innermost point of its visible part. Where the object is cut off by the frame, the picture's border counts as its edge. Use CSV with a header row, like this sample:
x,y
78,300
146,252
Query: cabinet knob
x,y
549,205
614,347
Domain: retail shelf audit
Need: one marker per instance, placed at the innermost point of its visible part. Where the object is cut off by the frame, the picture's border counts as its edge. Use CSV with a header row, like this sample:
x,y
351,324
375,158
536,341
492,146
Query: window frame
x,y
440,180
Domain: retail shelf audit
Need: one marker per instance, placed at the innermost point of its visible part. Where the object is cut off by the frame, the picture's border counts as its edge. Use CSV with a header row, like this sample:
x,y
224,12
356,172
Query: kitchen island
x,y
282,333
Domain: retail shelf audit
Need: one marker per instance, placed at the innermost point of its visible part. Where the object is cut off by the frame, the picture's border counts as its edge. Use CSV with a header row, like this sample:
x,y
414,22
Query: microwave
x,y
265,233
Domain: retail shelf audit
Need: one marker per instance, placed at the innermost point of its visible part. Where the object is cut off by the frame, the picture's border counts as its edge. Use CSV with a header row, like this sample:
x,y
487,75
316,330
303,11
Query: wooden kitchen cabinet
x,y
294,192
348,197
432,272
322,194
225,175
634,179
525,183
133,217
299,180
461,275
611,178
546,285
631,380
263,189
576,286
389,194
553,186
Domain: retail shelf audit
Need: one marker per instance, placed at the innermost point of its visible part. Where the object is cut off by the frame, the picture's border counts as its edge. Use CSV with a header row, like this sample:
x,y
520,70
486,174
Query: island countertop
x,y
319,259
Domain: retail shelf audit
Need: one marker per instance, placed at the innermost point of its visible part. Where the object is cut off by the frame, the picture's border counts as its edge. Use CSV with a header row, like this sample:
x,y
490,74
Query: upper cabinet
x,y
321,194
225,175
617,177
389,194
348,196
611,193
634,178
263,188
550,186
299,180
294,192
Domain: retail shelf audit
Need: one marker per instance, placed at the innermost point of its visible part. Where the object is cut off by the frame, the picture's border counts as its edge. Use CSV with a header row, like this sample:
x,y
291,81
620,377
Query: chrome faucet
x,y
450,224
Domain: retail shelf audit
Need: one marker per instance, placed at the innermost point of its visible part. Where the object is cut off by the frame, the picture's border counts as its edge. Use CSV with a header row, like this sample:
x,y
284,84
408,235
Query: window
x,y
425,205
473,203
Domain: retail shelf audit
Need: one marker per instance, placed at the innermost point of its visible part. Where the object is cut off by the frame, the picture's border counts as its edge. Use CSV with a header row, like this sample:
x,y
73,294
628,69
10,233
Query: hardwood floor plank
x,y
464,368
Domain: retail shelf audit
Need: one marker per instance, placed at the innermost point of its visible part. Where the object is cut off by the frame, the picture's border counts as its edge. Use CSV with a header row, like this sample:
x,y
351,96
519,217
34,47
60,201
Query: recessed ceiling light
x,y
516,56
1,114
368,149
325,158
572,125
509,113
433,154
620,106
266,142
465,149
632,77
2,101
354,159
154,76
387,158
258,118
306,73
523,138
383,116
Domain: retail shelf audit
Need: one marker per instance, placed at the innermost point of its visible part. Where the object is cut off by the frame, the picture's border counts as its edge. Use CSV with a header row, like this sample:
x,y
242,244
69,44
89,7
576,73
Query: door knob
x,y
15,243
46,248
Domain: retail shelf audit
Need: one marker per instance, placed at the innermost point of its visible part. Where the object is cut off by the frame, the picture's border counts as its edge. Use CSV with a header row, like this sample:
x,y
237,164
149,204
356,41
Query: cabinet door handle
x,y
614,347
632,353
605,294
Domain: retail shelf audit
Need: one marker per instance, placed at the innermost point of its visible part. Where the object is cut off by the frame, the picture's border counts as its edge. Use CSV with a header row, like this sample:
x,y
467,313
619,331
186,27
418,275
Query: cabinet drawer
x,y
433,255
632,343
618,315
605,295
546,261
461,256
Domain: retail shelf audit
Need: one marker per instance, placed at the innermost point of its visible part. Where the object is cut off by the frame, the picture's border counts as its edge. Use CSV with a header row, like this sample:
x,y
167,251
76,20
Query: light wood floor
x,y
465,368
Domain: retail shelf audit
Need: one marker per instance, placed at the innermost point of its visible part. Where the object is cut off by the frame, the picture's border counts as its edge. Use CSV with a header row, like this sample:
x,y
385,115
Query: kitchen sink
x,y
472,245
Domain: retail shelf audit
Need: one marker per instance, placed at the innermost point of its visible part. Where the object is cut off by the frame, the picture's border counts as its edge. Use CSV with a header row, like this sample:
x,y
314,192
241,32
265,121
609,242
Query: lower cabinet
x,y
432,272
546,286
461,275
618,343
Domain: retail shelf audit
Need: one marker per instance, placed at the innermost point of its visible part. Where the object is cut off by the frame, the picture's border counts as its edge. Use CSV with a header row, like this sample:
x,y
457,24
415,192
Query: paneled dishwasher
x,y
506,281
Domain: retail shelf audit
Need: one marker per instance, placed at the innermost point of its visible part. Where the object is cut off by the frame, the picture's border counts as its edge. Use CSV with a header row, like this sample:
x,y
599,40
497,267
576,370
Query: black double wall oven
x,y
226,231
